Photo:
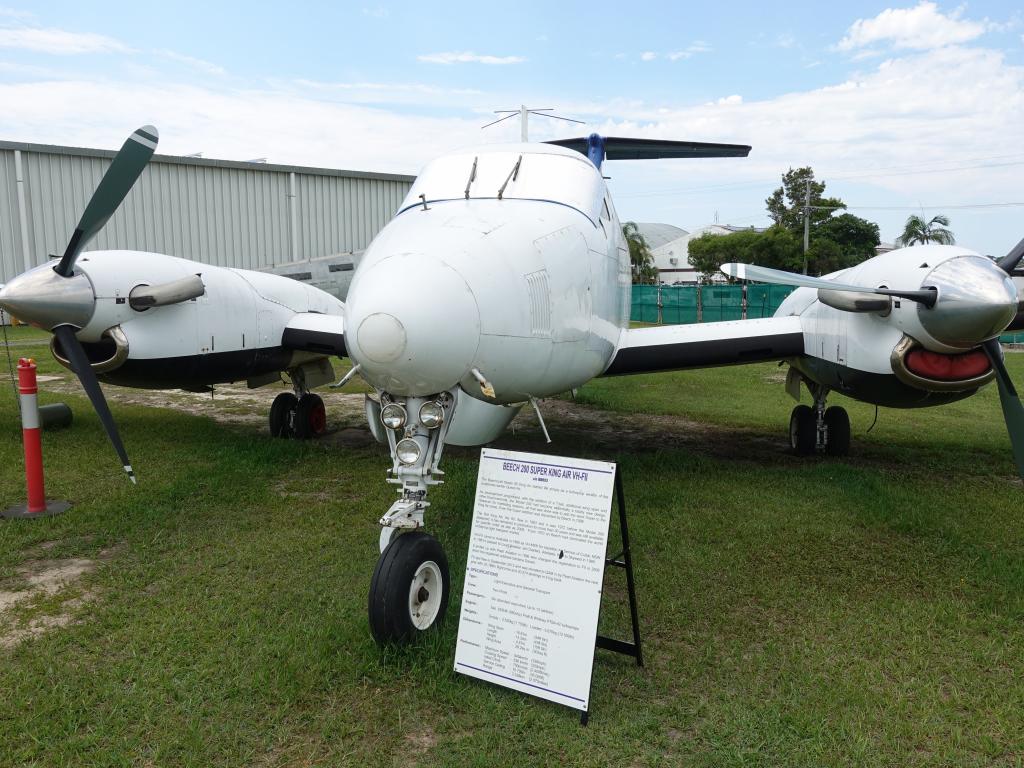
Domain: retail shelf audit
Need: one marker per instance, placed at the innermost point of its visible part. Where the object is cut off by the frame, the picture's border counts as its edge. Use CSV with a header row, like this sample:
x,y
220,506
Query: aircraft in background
x,y
503,279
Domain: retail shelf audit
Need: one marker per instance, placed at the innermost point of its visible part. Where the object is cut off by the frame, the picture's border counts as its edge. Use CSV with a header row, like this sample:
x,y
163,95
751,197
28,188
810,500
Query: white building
x,y
672,258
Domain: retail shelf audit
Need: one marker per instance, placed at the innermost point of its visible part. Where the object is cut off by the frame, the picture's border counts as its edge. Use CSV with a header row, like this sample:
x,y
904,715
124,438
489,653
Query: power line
x,y
961,206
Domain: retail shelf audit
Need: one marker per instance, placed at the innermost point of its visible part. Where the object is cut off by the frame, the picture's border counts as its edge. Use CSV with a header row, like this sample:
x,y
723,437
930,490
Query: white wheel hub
x,y
425,595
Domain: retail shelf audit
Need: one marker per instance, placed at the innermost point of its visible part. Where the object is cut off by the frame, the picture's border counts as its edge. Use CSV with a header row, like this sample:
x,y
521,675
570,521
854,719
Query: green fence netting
x,y
645,304
721,302
764,300
679,304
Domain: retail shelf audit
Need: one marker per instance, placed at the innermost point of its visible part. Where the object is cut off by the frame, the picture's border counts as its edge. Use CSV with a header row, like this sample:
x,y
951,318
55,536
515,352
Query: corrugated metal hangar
x,y
237,214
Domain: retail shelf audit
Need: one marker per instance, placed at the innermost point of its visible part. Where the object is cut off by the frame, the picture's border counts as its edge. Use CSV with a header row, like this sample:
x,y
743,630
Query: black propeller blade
x,y
80,363
120,177
1013,410
122,174
1010,261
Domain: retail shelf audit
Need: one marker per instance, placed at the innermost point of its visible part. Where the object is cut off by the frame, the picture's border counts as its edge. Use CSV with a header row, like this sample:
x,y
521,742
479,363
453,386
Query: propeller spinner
x,y
59,300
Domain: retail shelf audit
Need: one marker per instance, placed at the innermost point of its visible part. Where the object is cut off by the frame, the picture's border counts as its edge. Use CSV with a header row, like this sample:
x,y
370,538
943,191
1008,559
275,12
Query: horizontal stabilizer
x,y
653,149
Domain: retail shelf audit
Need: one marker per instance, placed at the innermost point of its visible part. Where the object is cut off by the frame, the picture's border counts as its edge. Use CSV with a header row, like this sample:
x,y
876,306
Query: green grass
x,y
794,612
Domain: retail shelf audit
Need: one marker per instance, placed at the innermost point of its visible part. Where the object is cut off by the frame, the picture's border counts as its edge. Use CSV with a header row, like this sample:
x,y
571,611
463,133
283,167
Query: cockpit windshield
x,y
511,174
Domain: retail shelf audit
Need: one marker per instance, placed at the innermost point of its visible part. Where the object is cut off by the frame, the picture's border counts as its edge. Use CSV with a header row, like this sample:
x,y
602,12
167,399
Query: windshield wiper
x,y
472,178
511,177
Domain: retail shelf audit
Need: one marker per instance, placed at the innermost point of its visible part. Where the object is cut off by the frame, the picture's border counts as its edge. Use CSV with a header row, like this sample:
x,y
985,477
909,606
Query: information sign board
x,y
534,574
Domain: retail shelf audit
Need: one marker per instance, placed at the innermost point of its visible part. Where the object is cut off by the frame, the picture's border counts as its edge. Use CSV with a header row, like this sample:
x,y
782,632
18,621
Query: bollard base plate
x,y
53,507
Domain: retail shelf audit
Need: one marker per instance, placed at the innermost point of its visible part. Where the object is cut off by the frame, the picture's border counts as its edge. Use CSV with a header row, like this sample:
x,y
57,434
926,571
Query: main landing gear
x,y
818,428
410,587
302,417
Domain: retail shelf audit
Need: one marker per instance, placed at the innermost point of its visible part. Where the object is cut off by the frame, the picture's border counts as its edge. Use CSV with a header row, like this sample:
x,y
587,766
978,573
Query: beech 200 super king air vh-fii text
x,y
502,279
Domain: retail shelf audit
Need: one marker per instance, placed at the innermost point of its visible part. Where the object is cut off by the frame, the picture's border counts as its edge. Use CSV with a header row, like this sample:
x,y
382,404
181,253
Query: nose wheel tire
x,y
837,422
281,413
802,430
409,590
310,417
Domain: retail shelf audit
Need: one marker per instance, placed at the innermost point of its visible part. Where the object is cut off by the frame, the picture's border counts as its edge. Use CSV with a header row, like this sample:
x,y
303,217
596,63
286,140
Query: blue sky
x,y
900,108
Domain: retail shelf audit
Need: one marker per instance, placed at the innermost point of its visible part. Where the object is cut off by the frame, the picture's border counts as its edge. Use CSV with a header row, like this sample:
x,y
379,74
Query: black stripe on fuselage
x,y
198,371
705,354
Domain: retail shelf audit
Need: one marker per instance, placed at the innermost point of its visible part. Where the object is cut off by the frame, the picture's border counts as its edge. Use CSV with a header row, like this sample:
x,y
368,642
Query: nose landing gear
x,y
410,586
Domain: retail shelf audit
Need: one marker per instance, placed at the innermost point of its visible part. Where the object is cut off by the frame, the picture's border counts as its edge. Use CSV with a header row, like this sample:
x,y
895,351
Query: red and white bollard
x,y
37,505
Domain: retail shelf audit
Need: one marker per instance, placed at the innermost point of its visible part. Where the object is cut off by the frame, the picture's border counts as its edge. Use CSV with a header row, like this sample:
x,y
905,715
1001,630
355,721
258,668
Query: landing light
x,y
408,451
431,414
393,416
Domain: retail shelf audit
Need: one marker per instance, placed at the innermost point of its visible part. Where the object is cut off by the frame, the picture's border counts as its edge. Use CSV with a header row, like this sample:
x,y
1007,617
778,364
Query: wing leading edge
x,y
706,345
313,332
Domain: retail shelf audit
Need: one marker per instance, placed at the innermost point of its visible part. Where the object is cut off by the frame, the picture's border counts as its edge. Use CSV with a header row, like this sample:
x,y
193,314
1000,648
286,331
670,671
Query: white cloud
x,y
200,65
292,127
888,115
59,41
14,13
648,56
378,12
468,57
919,28
697,46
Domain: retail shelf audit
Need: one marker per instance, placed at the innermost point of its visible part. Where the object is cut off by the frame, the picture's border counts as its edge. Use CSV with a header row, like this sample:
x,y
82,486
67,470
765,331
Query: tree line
x,y
836,239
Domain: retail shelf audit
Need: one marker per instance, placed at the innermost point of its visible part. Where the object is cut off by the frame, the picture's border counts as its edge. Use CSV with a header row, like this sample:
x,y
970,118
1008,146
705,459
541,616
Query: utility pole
x,y
524,116
807,222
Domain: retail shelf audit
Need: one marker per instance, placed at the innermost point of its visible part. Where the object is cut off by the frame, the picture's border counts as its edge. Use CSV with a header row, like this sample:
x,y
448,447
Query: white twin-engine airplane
x,y
502,279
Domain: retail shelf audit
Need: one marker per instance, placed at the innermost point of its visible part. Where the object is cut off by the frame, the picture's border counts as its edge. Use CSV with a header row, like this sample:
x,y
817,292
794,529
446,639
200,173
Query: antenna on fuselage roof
x,y
524,116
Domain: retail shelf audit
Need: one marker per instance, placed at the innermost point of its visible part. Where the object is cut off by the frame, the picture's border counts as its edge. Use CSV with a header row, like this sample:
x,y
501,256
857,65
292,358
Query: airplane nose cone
x,y
45,299
976,301
416,325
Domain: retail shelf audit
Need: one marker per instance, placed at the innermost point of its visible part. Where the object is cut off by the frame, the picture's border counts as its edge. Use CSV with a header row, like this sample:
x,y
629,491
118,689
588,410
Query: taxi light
x,y
934,365
393,416
407,450
431,415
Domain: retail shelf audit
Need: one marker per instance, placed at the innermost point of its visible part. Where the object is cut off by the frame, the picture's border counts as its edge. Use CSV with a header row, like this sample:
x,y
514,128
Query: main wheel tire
x,y
310,417
803,436
837,422
281,414
409,589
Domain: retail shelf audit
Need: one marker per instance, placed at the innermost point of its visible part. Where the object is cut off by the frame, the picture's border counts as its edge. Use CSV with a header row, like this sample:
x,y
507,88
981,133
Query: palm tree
x,y
917,230
640,255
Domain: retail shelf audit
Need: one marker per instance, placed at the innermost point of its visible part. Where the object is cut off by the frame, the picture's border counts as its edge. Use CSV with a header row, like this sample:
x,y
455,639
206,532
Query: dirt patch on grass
x,y
228,403
53,586
590,429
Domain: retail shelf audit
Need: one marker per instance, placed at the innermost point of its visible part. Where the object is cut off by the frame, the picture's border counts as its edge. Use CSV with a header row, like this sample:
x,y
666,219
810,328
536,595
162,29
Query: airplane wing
x,y
314,332
705,345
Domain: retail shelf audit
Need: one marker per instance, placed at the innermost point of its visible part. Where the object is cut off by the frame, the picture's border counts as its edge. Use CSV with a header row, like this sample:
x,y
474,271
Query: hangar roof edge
x,y
56,149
